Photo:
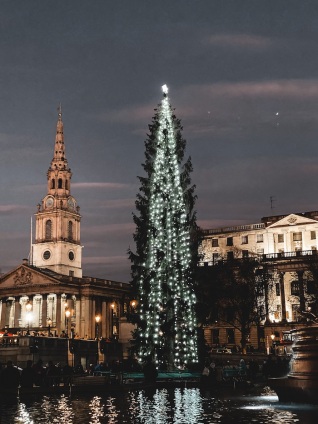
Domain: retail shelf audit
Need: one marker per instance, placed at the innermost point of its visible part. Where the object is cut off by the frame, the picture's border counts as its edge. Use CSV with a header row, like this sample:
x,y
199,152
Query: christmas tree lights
x,y
162,267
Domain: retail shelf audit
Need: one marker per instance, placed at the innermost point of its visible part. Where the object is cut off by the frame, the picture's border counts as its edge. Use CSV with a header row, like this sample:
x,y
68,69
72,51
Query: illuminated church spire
x,y
57,243
59,160
165,258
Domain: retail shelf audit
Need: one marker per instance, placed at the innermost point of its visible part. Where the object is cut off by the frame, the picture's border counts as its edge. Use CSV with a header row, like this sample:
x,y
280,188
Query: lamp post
x,y
273,338
49,323
97,320
28,308
67,315
114,328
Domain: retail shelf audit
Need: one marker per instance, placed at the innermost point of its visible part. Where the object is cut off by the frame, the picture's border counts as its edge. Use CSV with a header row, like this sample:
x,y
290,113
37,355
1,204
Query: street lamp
x,y
28,308
97,320
273,338
67,315
133,305
49,323
114,329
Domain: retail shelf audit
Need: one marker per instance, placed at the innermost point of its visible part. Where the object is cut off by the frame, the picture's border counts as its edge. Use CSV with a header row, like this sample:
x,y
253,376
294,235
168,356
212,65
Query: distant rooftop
x,y
265,222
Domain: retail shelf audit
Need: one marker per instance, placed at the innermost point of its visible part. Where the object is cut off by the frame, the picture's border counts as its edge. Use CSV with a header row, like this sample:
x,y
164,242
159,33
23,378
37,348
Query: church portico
x,y
47,294
65,304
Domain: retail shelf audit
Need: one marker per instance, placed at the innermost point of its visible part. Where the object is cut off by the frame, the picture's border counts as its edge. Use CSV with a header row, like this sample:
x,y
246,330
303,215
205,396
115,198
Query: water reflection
x,y
23,415
96,410
65,411
178,406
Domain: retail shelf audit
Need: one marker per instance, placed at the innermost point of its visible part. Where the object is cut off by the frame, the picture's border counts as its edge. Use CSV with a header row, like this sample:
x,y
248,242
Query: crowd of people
x,y
55,375
35,374
219,371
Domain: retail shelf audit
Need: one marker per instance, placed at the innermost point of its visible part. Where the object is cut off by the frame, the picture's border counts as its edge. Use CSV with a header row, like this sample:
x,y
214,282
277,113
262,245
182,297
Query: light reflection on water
x,y
173,406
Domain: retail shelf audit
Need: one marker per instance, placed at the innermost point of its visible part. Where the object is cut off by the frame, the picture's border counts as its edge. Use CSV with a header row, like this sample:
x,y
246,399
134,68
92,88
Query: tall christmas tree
x,y
165,259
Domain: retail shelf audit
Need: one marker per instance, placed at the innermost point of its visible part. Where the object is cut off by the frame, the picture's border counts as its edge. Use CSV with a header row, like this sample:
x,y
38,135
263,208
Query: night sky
x,y
242,75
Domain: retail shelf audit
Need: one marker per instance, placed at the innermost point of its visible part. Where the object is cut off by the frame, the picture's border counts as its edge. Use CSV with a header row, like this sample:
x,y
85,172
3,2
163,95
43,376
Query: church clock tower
x,y
57,243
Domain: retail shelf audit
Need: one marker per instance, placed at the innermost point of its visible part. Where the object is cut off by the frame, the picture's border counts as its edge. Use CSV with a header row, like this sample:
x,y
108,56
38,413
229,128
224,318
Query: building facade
x,y
48,293
287,246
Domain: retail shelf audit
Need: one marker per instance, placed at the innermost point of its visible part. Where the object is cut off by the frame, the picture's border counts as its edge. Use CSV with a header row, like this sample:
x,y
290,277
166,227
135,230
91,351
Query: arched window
x,y
66,185
53,183
60,183
70,230
48,230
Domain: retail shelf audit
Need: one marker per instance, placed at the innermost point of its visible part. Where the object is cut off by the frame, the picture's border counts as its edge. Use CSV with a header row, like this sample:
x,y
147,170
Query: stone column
x,y
17,313
44,316
282,296
86,317
3,313
59,325
104,320
78,317
302,305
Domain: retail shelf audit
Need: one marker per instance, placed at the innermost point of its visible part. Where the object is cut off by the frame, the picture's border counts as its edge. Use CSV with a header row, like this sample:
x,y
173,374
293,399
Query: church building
x,y
48,292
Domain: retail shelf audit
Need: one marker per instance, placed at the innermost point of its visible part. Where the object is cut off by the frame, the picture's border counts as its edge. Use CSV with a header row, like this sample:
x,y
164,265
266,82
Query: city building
x,y
287,246
48,293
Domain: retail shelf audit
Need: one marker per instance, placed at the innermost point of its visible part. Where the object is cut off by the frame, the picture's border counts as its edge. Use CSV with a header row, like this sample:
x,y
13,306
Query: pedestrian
x,y
205,375
67,372
27,375
242,368
39,372
51,374
10,378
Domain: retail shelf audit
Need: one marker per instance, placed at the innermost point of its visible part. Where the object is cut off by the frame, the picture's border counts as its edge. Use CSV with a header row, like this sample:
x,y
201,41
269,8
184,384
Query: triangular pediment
x,y
26,276
293,220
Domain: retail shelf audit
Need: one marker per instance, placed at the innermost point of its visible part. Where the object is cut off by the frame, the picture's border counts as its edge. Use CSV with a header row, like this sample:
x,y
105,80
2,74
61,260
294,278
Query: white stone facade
x,y
285,243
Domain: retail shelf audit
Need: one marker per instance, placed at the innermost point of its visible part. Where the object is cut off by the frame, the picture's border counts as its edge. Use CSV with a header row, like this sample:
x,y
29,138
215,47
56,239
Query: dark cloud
x,y
243,79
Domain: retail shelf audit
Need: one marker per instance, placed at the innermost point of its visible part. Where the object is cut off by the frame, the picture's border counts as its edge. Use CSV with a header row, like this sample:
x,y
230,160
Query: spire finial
x,y
59,109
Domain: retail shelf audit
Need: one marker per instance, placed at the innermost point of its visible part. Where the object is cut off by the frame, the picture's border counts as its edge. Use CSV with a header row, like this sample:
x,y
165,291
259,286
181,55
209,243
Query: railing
x,y
267,257
288,255
235,228
9,341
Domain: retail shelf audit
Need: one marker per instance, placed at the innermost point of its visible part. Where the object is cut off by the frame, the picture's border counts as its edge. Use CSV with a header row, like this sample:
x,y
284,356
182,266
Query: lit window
x,y
259,238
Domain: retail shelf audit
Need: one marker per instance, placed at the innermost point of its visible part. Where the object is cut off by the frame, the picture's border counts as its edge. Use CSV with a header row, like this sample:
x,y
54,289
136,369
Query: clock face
x,y
46,255
49,202
71,203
